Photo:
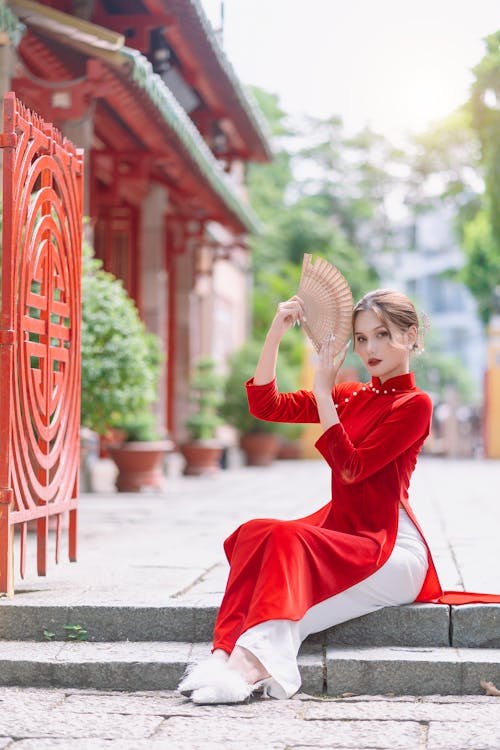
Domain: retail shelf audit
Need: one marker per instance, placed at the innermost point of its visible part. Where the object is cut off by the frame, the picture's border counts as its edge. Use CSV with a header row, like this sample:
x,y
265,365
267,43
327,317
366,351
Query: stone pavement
x,y
89,720
150,574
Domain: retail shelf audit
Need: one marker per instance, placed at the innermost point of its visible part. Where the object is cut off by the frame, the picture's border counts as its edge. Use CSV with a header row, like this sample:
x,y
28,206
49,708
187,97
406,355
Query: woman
x,y
363,550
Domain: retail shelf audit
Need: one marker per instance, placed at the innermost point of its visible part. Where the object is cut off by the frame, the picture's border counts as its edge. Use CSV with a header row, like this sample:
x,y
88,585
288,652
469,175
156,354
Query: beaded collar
x,y
403,382
397,384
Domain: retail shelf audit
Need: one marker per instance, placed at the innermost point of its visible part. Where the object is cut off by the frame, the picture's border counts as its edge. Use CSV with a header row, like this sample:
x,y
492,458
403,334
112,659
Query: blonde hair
x,y
391,308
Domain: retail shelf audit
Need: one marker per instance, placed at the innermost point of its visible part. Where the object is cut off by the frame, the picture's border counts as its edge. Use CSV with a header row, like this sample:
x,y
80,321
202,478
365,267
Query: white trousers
x,y
276,642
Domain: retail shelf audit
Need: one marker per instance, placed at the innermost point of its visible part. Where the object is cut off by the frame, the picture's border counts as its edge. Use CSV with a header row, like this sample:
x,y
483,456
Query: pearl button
x,y
377,391
385,391
346,400
363,388
394,390
355,393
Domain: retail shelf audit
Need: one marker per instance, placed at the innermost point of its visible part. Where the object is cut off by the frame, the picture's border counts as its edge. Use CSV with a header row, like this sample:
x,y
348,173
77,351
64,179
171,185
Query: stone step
x,y
410,625
335,671
128,666
410,671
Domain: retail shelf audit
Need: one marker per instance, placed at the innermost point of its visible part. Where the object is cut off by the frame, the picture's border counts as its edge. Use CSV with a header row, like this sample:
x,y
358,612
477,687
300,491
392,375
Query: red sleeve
x,y
265,402
407,424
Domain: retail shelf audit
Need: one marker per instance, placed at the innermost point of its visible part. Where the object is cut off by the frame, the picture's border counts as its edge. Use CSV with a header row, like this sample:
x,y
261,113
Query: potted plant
x,y
139,458
202,451
290,442
121,363
259,440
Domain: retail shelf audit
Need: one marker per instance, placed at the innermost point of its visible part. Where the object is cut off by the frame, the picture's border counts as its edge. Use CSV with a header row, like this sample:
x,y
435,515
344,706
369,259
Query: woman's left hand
x,y
328,366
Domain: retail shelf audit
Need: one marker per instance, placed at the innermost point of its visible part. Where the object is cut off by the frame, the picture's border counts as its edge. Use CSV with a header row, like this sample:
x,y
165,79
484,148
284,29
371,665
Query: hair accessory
x,y
328,303
425,325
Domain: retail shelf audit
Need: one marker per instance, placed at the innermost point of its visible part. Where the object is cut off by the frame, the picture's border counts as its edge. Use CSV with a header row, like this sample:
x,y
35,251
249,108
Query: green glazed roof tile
x,y
11,25
245,96
173,114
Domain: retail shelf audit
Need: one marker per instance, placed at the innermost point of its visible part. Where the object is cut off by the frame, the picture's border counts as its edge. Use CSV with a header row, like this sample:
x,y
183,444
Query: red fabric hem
x,y
467,597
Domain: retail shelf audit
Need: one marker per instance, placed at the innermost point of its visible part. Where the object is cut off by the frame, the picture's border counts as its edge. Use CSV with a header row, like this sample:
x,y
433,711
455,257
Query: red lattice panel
x,y
39,333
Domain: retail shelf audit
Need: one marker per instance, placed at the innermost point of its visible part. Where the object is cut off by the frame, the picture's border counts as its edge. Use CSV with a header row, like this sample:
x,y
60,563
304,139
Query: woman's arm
x,y
264,399
289,313
407,424
324,381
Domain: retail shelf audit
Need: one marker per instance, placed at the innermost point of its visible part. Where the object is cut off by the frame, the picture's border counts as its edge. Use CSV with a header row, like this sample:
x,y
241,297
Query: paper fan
x,y
328,303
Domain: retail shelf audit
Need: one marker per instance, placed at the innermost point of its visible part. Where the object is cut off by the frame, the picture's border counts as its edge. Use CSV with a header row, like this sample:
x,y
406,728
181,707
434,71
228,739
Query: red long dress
x,y
279,569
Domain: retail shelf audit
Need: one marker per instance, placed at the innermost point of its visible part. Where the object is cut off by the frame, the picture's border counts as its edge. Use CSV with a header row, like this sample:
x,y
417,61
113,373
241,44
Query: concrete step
x,y
410,671
117,666
334,671
411,625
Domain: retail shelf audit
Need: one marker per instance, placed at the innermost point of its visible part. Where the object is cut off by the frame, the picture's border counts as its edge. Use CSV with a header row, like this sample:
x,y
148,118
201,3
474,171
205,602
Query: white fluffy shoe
x,y
207,672
233,688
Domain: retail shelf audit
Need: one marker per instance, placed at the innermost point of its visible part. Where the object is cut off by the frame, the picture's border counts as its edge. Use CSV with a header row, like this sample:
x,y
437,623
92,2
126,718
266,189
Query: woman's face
x,y
384,350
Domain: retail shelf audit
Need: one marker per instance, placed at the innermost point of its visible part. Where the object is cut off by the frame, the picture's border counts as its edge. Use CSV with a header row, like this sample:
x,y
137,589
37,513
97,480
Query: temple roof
x,y
133,70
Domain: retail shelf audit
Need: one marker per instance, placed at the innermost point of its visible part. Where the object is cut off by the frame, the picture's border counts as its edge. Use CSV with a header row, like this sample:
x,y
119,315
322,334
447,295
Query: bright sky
x,y
396,65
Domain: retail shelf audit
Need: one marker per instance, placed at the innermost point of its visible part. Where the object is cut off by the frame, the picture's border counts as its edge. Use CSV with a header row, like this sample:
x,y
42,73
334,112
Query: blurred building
x,y
425,272
422,273
145,88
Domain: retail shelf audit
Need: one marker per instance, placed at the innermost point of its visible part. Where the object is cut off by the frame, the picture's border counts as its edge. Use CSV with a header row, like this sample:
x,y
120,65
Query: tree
x,y
301,216
352,178
482,231
482,270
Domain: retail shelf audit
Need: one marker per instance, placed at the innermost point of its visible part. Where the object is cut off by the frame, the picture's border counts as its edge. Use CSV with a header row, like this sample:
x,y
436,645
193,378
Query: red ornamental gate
x,y
39,335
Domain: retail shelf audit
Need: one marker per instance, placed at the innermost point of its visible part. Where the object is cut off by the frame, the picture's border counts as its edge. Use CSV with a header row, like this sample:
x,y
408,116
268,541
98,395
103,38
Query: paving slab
x,y
457,503
403,710
148,744
89,719
444,736
235,733
55,724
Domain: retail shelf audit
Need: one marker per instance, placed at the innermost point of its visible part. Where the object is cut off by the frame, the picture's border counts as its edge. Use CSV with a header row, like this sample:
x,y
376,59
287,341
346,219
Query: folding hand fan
x,y
328,303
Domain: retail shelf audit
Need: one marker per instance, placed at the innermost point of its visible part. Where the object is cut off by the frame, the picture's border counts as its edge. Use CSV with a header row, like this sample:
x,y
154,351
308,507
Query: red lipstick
x,y
373,362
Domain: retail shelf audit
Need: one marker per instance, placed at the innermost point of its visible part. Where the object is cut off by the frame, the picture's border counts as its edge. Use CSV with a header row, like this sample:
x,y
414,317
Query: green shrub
x,y
206,395
121,360
234,408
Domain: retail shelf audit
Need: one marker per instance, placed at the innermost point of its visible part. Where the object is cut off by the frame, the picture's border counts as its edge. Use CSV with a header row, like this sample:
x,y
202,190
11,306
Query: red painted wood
x,y
39,330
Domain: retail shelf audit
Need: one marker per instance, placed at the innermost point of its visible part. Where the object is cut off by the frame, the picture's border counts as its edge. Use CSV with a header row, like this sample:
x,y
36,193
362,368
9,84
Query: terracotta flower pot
x,y
290,450
140,464
113,436
260,448
202,457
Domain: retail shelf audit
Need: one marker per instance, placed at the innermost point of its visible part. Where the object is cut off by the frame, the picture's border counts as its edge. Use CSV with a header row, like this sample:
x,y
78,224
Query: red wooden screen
x,y
39,334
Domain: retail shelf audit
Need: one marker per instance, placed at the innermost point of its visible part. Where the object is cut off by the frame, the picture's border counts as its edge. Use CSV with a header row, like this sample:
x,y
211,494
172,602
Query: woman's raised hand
x,y
289,312
328,366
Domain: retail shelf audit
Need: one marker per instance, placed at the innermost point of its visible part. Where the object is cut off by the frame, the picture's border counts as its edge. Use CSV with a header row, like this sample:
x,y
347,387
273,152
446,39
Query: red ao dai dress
x,y
361,551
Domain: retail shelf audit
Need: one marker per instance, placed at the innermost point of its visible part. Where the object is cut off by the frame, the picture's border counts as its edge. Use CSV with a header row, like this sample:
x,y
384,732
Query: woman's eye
x,y
383,333
360,339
